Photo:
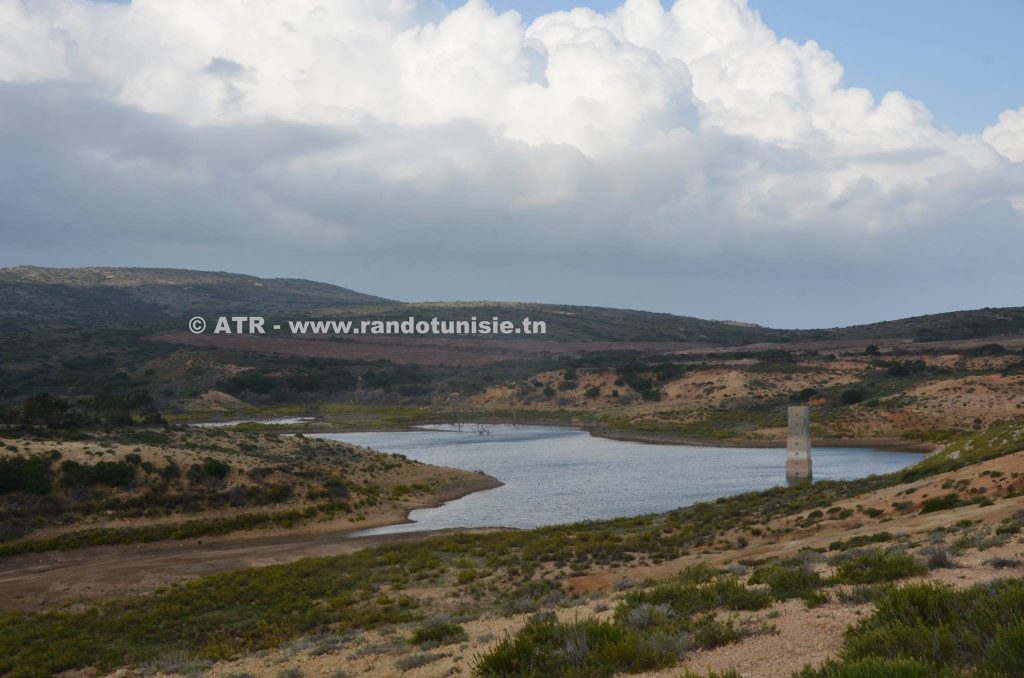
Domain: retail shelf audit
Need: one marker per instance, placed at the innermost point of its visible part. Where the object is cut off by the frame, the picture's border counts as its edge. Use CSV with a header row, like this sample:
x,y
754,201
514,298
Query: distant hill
x,y
146,299
955,325
103,297
593,323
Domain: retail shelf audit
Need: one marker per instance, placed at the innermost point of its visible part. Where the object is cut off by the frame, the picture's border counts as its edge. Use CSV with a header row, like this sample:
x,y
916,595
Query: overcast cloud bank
x,y
686,160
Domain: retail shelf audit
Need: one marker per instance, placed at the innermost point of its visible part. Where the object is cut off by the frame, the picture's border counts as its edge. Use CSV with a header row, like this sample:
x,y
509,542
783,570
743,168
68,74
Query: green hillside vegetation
x,y
225,615
134,297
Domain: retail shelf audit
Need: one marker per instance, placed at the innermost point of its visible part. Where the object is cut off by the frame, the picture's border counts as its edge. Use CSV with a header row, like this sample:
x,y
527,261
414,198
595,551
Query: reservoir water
x,y
555,475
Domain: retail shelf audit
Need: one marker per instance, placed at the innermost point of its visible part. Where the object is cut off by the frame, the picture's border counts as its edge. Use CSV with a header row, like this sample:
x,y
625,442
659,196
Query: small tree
x,y
852,396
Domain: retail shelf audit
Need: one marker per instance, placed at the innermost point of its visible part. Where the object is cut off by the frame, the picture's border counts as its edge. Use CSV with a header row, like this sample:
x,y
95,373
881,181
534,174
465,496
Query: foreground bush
x,y
787,581
699,589
877,566
877,668
439,633
25,474
978,627
583,649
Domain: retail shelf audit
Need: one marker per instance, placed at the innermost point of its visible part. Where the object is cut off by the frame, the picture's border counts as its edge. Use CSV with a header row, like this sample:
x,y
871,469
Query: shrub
x,y
1005,656
592,648
945,627
709,631
686,597
170,472
860,540
335,487
803,395
878,566
788,581
25,474
210,469
216,469
414,661
864,593
1002,563
111,473
852,396
874,668
943,503
439,633
937,556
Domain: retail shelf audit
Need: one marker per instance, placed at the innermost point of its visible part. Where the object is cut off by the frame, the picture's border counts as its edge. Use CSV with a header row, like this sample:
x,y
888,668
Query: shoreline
x,y
45,579
886,444
889,444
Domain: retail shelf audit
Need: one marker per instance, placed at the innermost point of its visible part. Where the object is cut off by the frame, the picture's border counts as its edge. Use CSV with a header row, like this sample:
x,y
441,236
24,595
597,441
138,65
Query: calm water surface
x,y
561,475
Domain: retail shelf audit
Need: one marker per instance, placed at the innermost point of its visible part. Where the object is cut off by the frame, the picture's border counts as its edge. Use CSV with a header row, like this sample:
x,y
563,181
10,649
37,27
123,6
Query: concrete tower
x,y
798,444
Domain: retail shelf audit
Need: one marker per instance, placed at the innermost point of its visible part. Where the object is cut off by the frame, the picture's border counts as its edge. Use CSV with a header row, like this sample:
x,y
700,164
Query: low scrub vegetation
x,y
976,629
876,566
230,614
188,529
439,633
789,580
579,649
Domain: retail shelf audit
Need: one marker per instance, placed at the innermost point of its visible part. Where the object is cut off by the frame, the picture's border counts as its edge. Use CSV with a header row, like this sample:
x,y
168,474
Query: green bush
x,y
580,649
877,566
414,661
943,503
25,474
1005,655
876,668
945,627
110,473
439,633
852,396
687,597
860,540
216,469
787,581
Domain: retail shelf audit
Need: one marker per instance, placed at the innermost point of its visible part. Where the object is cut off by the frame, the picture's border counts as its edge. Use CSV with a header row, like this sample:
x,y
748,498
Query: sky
x,y
786,162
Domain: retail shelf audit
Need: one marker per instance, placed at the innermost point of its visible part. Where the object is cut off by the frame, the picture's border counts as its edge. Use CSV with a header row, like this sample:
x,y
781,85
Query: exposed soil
x,y
35,581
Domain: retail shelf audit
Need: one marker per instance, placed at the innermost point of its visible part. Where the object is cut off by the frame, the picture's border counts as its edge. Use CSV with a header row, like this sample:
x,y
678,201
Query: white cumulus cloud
x,y
378,125
1007,135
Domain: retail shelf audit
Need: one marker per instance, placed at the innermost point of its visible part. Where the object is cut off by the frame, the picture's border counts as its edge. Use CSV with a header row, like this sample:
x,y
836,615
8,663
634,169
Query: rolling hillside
x,y
133,297
143,298
83,331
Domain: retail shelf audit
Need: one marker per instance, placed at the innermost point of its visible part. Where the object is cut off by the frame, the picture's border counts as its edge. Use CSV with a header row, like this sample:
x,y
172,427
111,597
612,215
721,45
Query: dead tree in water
x,y
454,418
483,430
